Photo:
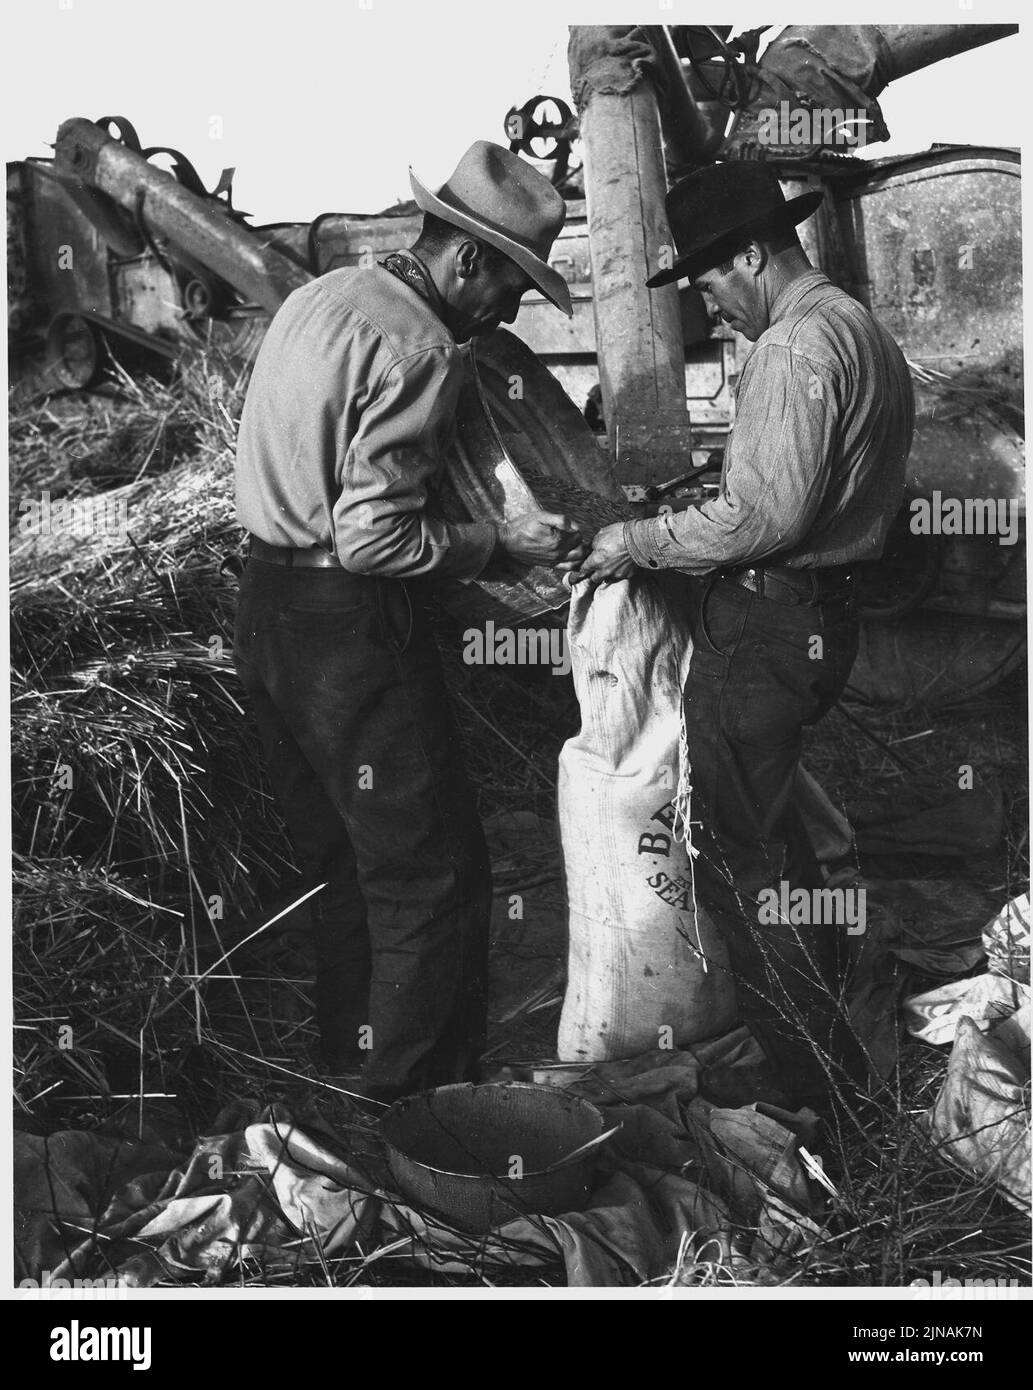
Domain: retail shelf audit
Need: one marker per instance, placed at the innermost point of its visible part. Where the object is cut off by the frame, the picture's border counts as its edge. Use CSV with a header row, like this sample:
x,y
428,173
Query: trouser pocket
x,y
398,614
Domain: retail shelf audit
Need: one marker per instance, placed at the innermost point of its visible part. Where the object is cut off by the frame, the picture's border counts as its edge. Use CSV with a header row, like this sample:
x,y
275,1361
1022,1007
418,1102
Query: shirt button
x,y
654,564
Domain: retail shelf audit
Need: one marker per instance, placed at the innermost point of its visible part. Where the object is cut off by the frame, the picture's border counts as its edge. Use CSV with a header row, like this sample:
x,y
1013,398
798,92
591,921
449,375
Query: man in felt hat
x,y
813,476
348,417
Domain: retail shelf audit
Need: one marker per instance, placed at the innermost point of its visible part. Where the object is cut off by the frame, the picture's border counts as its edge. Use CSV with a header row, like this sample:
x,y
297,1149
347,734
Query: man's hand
x,y
543,538
609,559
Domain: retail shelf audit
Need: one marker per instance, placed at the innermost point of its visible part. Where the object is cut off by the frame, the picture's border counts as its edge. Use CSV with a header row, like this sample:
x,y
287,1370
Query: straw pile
x,y
137,796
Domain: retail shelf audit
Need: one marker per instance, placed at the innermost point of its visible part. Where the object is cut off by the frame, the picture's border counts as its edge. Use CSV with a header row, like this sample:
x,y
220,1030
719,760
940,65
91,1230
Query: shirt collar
x,y
407,266
790,295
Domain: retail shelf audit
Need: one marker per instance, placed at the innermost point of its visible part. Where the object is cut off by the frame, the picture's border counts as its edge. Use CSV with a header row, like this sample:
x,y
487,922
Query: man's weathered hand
x,y
543,538
609,559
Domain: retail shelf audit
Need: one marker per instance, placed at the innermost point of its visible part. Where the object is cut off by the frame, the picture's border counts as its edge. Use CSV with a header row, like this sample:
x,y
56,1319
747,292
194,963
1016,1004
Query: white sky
x,y
323,104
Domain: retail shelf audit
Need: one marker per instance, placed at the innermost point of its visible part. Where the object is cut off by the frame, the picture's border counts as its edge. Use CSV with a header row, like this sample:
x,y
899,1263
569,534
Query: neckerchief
x,y
409,268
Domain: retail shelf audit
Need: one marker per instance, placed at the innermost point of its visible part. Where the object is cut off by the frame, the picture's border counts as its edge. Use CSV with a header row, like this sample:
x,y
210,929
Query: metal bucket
x,y
484,1155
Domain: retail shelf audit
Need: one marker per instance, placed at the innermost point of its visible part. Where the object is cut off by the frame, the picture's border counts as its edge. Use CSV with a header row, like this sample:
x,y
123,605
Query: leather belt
x,y
314,557
833,584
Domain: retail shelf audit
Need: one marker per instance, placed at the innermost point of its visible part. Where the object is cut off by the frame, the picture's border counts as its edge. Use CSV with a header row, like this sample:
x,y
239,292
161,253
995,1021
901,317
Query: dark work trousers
x,y
363,756
760,671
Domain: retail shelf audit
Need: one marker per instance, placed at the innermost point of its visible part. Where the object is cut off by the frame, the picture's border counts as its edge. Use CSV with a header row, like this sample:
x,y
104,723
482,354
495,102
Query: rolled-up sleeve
x,y
381,522
775,475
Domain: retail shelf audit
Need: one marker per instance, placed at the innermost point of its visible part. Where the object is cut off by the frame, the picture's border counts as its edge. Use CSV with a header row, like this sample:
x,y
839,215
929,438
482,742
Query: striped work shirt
x,y
814,466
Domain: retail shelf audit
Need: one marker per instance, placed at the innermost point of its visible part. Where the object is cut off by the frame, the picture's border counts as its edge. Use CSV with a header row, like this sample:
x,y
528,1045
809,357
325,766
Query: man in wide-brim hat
x,y
813,477
348,416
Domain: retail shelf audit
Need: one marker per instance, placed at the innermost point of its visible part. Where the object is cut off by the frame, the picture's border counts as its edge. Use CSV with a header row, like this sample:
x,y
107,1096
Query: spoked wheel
x,y
934,659
235,336
75,351
914,654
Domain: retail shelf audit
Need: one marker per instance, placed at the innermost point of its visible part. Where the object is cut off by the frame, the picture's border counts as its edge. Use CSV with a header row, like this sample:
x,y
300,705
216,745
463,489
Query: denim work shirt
x,y
348,416
814,466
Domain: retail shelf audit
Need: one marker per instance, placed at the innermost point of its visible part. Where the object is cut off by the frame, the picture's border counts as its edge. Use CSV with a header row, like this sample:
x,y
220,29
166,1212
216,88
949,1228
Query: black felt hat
x,y
712,211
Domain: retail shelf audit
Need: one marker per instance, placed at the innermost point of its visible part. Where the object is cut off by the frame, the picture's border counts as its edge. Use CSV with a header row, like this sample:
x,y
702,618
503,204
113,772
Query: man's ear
x,y
467,258
755,257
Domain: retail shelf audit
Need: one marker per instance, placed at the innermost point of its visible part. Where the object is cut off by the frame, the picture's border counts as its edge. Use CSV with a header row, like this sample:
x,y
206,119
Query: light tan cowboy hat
x,y
498,197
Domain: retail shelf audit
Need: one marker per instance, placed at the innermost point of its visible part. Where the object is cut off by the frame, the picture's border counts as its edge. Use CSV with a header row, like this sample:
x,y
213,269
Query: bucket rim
x,y
547,1171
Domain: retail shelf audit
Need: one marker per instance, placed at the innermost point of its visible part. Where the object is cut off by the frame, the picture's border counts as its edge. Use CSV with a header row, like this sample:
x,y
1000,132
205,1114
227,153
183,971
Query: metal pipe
x,y
200,226
916,46
870,55
639,340
687,136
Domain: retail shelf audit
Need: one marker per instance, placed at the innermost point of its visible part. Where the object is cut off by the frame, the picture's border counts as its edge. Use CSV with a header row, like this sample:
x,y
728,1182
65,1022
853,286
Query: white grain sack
x,y
634,982
646,967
